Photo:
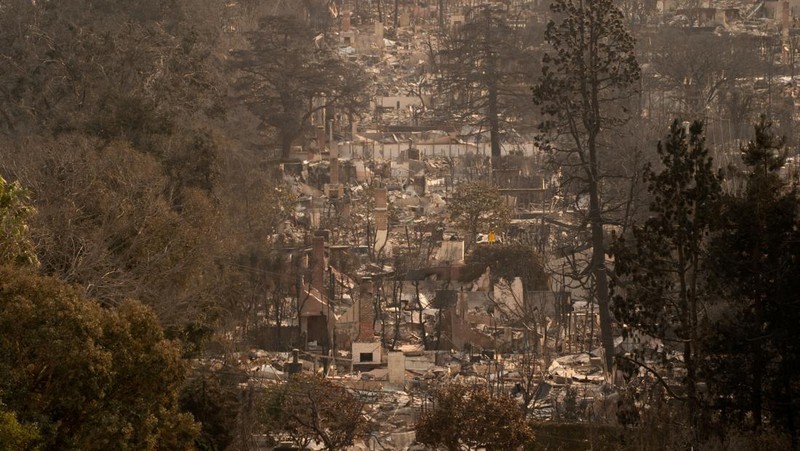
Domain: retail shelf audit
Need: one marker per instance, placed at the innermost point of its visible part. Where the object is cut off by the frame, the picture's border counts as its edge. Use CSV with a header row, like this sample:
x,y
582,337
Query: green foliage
x,y
507,262
570,404
13,435
593,64
765,155
214,406
310,407
754,372
474,417
16,246
87,377
662,273
585,93
717,274
476,207
663,261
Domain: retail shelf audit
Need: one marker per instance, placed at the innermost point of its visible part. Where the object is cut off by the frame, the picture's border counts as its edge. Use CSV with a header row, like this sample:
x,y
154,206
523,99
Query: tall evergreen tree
x,y
585,84
757,259
484,71
662,270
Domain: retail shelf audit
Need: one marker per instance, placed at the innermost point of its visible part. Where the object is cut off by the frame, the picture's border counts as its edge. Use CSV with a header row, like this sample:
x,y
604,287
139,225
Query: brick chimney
x,y
318,263
346,21
366,312
381,214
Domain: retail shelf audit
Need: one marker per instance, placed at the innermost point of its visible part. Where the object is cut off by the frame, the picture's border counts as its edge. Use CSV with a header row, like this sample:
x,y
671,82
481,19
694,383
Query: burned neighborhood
x,y
399,224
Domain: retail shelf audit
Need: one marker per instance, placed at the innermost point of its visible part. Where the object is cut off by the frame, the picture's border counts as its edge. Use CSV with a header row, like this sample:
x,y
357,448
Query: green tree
x,y
662,271
507,261
478,206
13,435
583,92
214,405
462,416
757,257
310,407
88,378
16,246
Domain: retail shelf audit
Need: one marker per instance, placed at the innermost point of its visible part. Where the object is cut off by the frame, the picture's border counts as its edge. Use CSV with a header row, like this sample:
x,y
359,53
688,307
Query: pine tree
x,y
757,260
585,84
662,285
484,70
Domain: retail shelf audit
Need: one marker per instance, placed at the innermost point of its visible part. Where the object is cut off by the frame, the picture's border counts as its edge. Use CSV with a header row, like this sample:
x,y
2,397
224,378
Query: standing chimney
x,y
381,214
321,137
366,313
346,21
462,304
318,262
334,172
378,36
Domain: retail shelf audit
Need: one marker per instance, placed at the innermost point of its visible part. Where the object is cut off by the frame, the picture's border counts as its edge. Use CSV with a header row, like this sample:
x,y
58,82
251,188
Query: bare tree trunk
x,y
599,257
441,16
494,128
491,84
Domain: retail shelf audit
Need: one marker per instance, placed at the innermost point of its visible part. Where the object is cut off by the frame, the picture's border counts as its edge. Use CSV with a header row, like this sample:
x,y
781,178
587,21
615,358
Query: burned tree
x,y
309,407
286,69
